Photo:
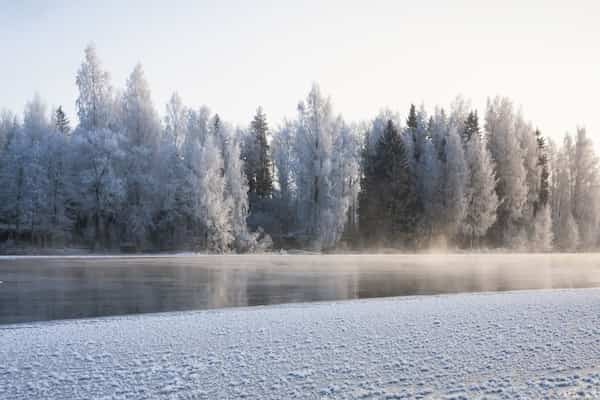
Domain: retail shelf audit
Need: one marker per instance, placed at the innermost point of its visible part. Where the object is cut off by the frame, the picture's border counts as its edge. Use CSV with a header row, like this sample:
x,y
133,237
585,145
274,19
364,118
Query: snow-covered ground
x,y
508,345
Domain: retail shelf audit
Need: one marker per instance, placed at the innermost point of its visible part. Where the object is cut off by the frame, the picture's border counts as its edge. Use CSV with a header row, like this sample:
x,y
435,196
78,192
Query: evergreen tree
x,y
544,188
411,121
471,126
61,121
257,158
216,125
366,204
390,189
415,135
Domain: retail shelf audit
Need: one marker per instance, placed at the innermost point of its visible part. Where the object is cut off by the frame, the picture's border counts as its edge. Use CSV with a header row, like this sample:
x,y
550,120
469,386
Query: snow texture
x,y
537,344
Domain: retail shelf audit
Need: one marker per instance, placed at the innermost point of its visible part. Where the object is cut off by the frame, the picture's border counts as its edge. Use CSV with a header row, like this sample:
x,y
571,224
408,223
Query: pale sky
x,y
236,55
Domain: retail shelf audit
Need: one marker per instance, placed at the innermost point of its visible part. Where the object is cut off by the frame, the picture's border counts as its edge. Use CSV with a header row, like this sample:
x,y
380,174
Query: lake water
x,y
35,289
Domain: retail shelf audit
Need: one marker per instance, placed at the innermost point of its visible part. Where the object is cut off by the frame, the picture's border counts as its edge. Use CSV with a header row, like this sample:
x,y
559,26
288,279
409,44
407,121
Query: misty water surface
x,y
34,289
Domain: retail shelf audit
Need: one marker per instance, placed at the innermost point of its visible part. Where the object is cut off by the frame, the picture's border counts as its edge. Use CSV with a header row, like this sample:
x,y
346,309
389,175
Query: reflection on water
x,y
47,289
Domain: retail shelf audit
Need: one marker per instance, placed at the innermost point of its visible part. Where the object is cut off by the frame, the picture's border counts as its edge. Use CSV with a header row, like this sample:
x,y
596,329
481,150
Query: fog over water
x,y
34,289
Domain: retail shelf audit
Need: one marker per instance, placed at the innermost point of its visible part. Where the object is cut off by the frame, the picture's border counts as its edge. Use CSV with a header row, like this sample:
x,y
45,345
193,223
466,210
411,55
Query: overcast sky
x,y
236,55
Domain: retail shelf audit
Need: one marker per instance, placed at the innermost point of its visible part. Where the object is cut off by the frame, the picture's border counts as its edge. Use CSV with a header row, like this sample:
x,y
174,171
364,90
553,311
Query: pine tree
x,y
257,157
366,204
216,125
544,188
471,126
61,121
391,191
411,121
415,135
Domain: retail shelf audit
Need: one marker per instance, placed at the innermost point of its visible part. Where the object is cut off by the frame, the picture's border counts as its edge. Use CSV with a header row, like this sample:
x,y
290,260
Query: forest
x,y
125,177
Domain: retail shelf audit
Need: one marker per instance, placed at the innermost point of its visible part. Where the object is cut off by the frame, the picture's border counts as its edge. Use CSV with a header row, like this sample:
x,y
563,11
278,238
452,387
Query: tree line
x,y
123,179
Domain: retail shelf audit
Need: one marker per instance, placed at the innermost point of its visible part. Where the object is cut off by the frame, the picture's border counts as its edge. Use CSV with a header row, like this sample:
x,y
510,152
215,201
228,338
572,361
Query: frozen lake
x,y
36,289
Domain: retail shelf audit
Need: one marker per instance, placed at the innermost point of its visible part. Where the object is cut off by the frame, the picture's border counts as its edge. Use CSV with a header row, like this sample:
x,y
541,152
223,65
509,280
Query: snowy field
x,y
512,345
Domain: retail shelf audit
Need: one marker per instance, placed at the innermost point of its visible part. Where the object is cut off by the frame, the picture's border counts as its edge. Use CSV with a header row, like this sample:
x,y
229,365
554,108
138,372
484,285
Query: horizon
x,y
269,56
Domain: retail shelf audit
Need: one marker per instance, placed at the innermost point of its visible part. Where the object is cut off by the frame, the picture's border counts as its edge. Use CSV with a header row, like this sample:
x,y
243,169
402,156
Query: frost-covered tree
x,y
193,181
566,230
61,122
346,172
61,182
454,185
530,154
94,102
13,177
438,128
471,126
140,129
481,199
171,216
214,206
430,192
544,171
8,128
36,128
237,190
511,187
96,151
170,219
319,207
459,115
585,190
285,165
176,121
415,134
34,177
139,120
100,190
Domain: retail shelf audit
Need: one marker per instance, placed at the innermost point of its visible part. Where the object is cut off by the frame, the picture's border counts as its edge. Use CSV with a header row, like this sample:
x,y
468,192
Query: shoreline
x,y
288,253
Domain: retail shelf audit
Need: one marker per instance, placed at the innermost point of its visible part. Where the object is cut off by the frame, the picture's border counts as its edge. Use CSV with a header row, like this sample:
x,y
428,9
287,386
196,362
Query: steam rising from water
x,y
56,288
